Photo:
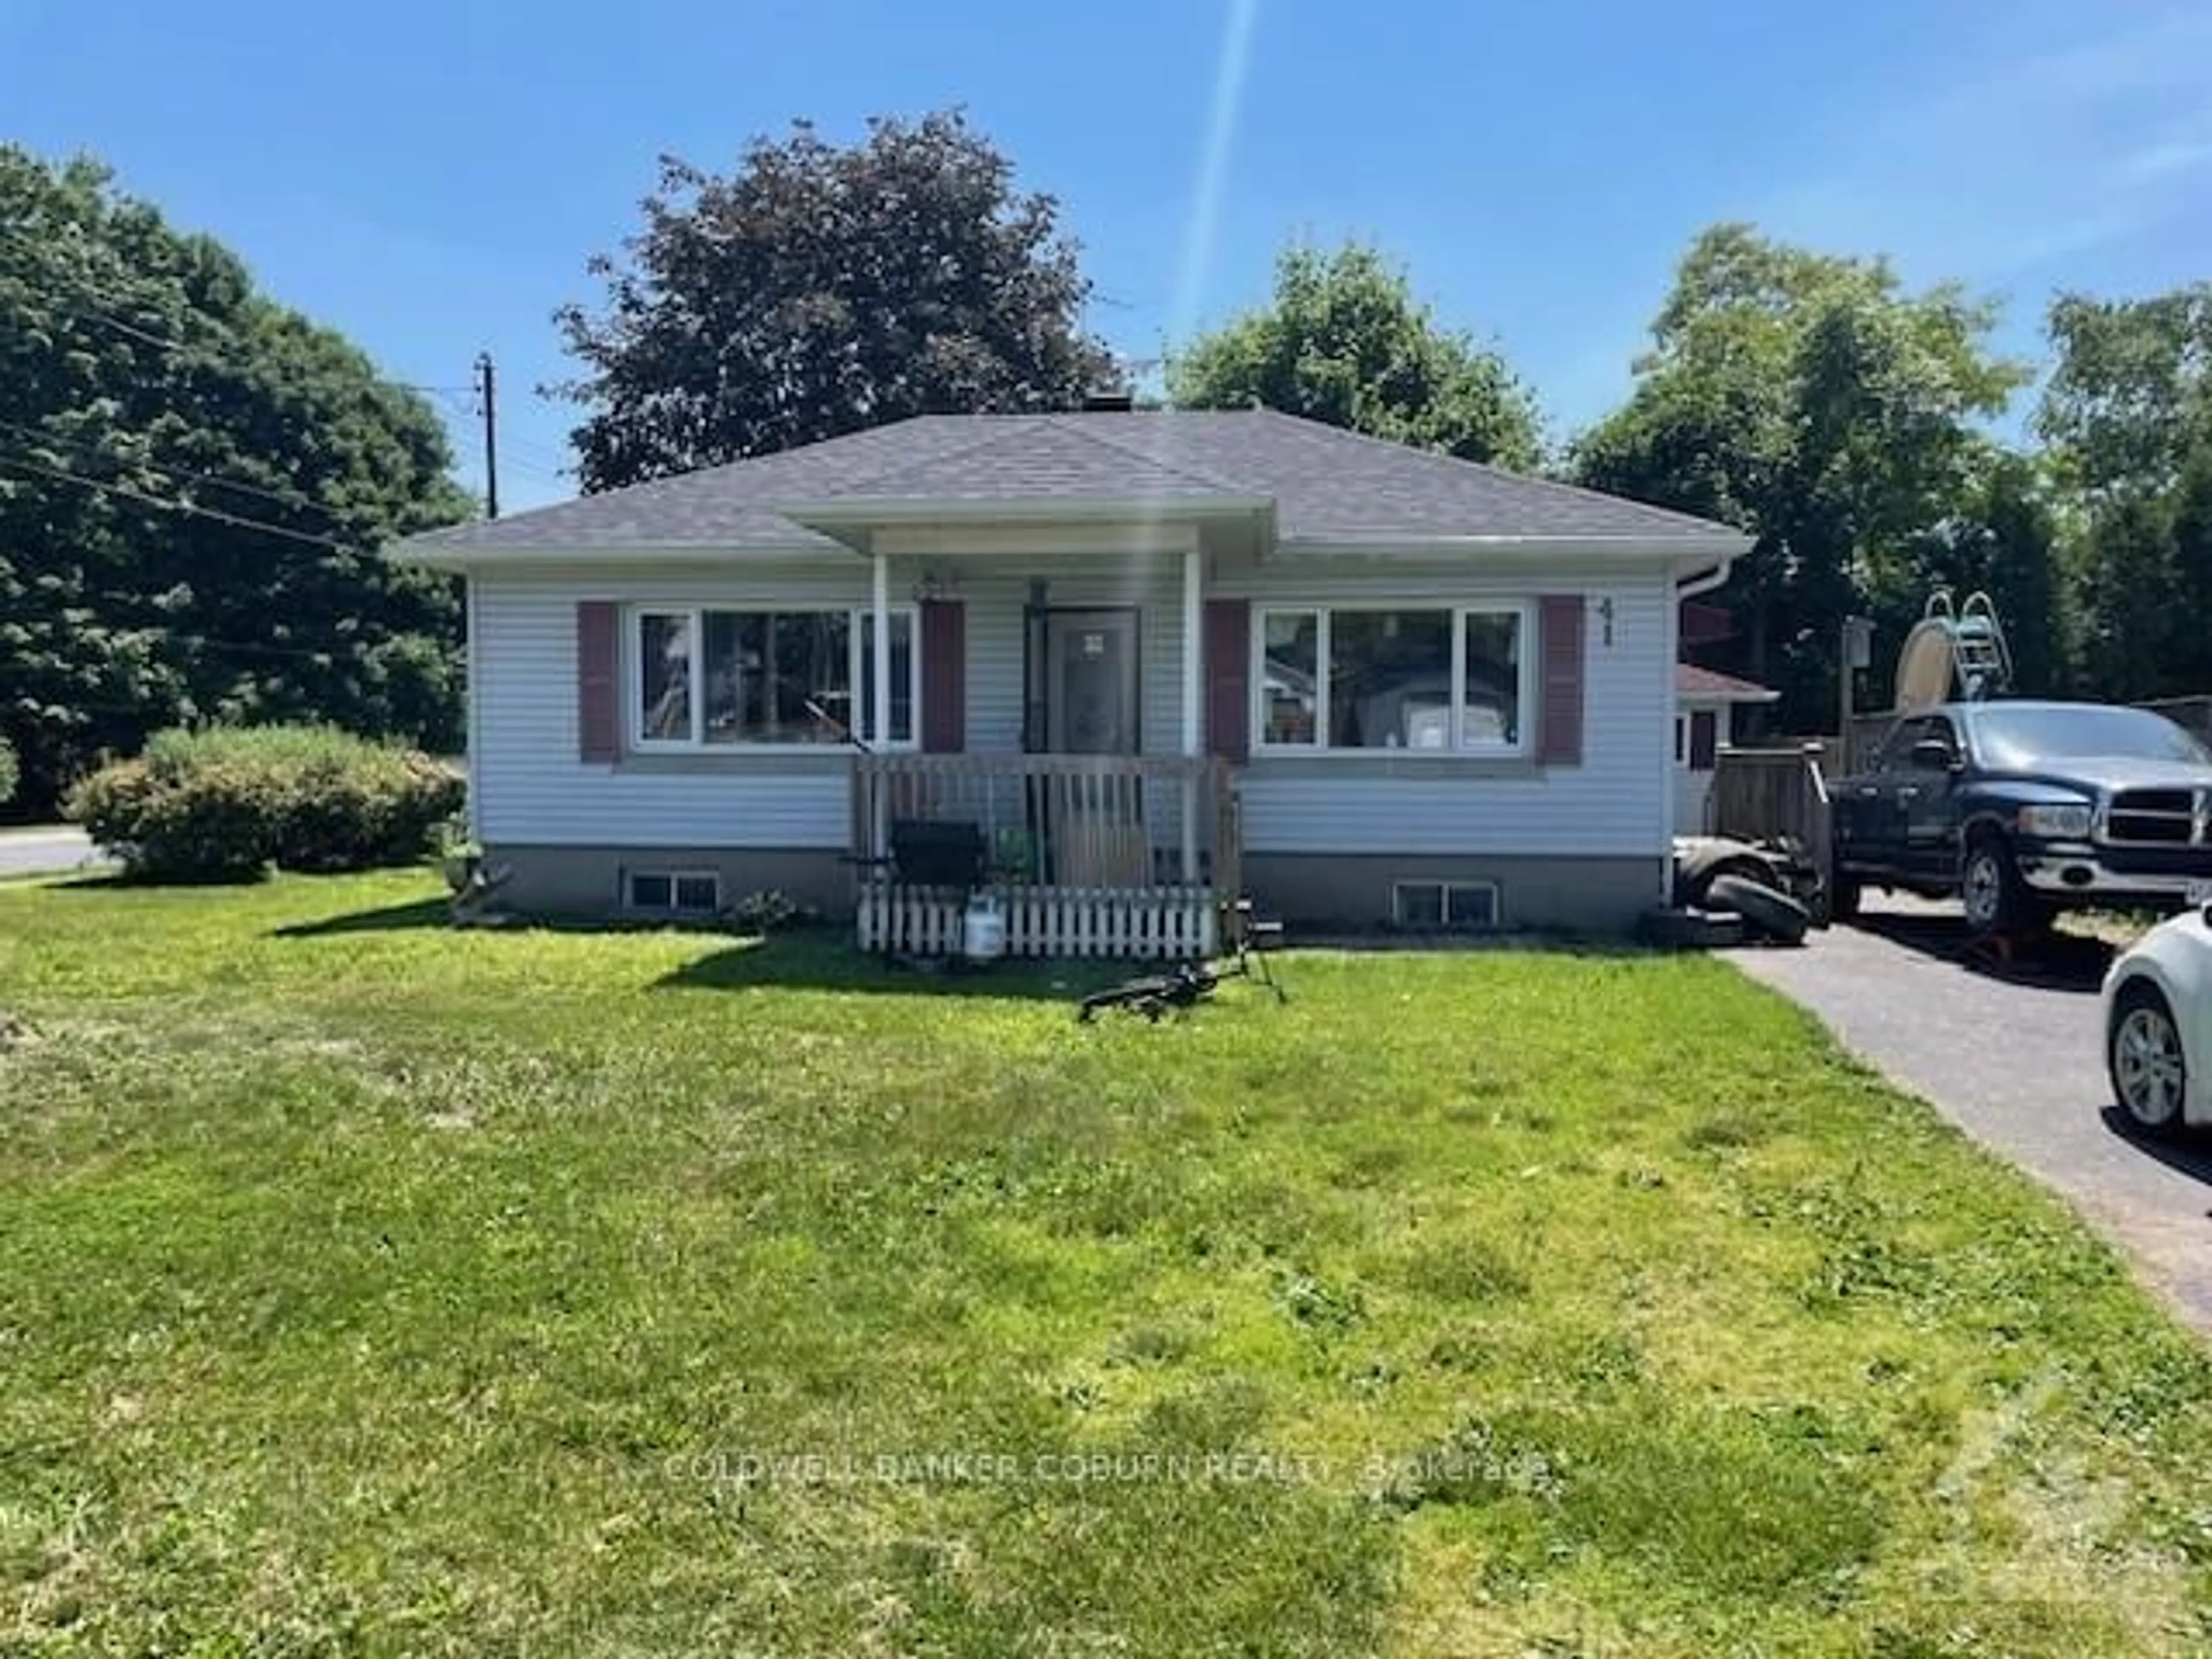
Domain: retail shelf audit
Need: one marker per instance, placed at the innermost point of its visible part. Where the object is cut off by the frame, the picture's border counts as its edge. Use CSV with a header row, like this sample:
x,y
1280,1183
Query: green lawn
x,y
370,1287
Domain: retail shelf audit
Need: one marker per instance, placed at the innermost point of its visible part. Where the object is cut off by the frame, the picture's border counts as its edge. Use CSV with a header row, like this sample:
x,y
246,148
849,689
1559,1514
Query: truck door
x,y
1869,830
1926,796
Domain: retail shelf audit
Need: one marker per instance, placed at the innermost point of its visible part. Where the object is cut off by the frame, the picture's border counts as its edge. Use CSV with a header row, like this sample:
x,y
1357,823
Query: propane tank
x,y
983,929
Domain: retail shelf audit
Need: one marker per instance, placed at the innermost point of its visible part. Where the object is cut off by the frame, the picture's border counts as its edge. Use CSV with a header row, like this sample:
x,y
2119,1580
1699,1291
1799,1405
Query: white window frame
x,y
694,616
1444,889
1525,692
673,877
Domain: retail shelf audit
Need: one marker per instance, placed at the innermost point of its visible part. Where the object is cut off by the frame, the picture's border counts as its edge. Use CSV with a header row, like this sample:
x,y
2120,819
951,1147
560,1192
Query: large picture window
x,y
711,678
1424,679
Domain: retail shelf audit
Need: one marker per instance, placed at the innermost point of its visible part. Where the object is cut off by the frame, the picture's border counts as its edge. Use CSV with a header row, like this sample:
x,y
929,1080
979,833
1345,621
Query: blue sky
x,y
431,177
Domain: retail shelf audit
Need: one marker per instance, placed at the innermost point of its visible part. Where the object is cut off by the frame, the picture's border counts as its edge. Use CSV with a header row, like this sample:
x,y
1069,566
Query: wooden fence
x,y
1769,794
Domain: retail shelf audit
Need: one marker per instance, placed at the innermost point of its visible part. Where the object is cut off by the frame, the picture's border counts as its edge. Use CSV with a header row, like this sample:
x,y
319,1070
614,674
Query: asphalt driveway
x,y
2015,1058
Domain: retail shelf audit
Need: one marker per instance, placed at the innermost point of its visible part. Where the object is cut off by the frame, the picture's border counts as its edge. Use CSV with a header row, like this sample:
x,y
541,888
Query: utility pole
x,y
486,392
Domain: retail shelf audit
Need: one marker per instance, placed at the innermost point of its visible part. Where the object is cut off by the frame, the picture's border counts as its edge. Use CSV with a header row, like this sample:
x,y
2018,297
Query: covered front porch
x,y
1056,763
1063,774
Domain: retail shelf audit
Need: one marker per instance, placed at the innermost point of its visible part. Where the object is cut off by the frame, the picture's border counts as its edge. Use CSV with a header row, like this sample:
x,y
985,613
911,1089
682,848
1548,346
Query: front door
x,y
1090,662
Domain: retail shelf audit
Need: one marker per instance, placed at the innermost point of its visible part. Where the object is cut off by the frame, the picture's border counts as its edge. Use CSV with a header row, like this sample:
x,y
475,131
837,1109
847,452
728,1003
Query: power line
x,y
295,501
188,508
229,340
538,456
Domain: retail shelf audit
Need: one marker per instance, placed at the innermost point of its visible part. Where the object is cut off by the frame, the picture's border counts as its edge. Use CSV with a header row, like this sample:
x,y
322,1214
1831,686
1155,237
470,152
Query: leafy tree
x,y
2021,569
819,290
2131,391
1813,401
194,482
1344,340
2129,630
2128,415
2002,537
2189,664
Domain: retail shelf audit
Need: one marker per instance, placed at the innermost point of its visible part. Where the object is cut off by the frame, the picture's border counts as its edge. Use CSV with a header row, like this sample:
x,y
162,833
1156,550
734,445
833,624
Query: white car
x,y
2158,1024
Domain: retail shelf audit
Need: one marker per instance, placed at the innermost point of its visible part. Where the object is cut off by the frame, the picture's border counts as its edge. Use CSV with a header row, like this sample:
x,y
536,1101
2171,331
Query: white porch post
x,y
879,711
1193,671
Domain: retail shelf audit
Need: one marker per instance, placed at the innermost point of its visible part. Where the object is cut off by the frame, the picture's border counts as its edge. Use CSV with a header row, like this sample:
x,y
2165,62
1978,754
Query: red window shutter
x,y
1559,669
944,677
598,680
1704,738
1227,666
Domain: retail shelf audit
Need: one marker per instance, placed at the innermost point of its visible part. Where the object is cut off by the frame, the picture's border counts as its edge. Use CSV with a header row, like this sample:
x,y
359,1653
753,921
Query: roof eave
x,y
1724,547
460,558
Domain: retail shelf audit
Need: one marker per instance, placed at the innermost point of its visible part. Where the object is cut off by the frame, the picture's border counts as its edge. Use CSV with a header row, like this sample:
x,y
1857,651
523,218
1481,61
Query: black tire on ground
x,y
1997,902
1845,892
1777,915
2144,1059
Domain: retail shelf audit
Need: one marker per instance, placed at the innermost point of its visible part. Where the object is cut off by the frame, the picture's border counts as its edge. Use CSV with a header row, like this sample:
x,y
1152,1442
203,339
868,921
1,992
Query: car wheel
x,y
2143,1053
1997,902
1775,914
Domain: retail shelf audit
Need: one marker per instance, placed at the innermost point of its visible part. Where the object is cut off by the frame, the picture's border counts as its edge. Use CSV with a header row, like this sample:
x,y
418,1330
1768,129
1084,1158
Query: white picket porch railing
x,y
1088,855
1044,922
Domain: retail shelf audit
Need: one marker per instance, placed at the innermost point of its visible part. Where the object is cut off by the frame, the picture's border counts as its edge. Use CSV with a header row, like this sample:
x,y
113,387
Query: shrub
x,y
223,805
11,772
771,910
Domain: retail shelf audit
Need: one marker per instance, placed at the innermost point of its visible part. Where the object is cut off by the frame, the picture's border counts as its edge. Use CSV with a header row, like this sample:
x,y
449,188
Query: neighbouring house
x,y
1149,659
1706,702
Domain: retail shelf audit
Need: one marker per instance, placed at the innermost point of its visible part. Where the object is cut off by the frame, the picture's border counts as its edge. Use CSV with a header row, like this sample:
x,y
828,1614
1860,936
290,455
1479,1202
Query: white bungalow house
x,y
1149,660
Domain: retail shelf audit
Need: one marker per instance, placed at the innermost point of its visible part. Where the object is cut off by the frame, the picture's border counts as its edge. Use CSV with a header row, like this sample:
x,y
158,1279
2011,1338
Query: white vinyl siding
x,y
532,790
1610,804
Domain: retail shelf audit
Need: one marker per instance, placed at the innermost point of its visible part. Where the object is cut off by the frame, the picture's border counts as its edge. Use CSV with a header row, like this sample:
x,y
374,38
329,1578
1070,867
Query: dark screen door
x,y
1091,657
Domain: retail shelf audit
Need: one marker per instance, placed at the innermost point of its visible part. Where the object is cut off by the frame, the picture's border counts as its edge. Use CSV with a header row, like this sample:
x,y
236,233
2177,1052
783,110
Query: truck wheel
x,y
1997,902
1775,914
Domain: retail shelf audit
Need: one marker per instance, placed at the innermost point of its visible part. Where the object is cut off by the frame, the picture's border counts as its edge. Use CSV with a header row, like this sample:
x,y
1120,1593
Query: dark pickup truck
x,y
2027,809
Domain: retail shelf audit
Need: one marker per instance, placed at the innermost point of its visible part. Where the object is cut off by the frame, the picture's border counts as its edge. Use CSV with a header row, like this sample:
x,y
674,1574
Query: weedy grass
x,y
370,1287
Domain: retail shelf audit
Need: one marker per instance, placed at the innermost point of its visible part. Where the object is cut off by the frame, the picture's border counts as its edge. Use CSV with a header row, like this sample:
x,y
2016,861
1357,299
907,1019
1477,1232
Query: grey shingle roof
x,y
1045,459
1325,483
